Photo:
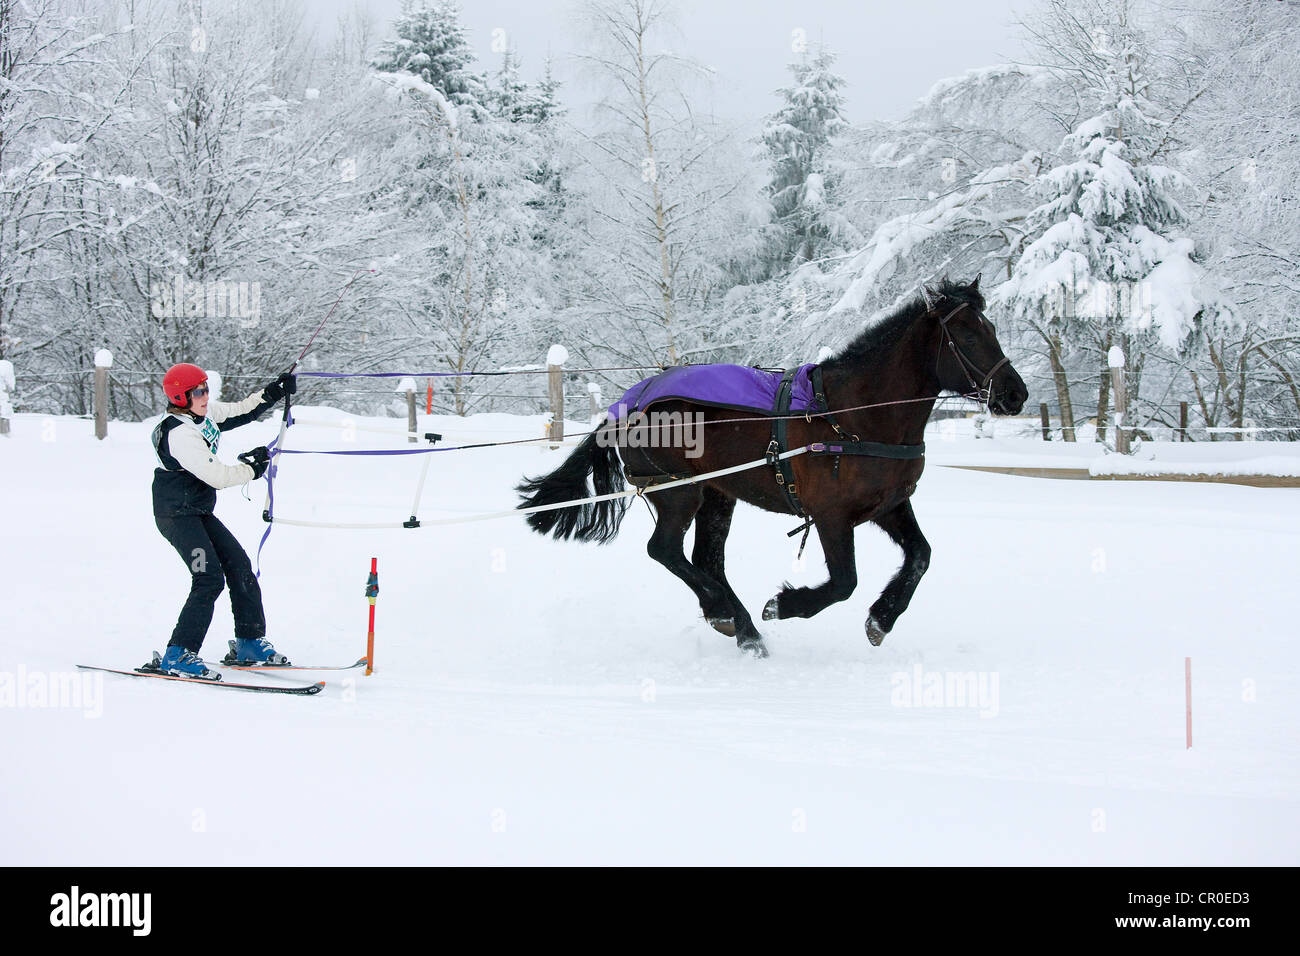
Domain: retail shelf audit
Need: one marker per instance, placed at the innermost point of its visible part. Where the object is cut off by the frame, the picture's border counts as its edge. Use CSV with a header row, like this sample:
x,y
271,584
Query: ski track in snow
x,y
539,701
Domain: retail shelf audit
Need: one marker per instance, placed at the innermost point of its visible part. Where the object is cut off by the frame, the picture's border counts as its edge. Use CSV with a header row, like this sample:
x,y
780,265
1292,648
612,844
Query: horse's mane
x,y
880,337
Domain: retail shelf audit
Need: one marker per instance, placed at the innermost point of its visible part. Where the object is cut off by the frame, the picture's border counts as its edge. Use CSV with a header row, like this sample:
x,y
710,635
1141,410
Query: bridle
x,y
969,368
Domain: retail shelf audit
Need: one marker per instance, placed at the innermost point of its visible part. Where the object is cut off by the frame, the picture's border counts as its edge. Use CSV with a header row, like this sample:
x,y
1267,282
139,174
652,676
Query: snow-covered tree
x,y
1239,69
510,97
1107,258
50,124
939,192
430,43
805,218
478,255
659,187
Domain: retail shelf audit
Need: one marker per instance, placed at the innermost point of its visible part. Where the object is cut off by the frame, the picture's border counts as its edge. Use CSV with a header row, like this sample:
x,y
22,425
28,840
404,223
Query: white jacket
x,y
186,449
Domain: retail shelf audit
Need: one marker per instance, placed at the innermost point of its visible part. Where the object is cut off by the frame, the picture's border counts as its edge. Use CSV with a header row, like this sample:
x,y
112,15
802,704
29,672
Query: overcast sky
x,y
890,51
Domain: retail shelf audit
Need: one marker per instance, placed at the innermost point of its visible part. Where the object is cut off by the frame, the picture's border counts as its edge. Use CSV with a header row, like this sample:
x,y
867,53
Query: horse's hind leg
x,y
836,534
712,524
674,511
900,524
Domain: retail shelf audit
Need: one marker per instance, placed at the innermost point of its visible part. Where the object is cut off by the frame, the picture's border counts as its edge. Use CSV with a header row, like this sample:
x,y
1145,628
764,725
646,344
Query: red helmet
x,y
179,380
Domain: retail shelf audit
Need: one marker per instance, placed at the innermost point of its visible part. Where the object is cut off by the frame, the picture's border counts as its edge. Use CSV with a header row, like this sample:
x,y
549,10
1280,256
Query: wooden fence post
x,y
103,362
555,359
593,393
1115,359
1182,421
1047,422
6,386
407,385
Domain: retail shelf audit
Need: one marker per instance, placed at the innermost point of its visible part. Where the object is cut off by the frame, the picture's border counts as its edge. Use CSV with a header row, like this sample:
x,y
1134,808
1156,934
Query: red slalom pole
x,y
372,592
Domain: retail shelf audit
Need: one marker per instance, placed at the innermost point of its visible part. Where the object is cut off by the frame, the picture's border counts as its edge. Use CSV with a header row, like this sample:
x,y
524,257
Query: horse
x,y
882,386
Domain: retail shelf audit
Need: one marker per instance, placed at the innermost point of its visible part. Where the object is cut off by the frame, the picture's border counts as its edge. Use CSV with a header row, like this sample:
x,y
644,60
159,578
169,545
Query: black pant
x,y
212,554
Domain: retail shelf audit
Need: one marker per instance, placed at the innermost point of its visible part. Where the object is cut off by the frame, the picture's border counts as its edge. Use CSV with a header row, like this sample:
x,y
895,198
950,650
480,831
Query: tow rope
x,y
274,450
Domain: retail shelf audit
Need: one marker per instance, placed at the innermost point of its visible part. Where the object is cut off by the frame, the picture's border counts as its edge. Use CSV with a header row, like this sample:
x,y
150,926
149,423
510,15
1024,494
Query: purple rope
x,y
402,374
398,451
522,371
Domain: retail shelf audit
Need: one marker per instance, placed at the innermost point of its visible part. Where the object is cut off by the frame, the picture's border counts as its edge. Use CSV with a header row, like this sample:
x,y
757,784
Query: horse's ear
x,y
931,297
975,286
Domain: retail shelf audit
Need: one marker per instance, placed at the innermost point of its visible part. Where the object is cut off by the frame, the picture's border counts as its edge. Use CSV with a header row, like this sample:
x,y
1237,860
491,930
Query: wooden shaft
x,y
101,402
370,641
1122,432
555,378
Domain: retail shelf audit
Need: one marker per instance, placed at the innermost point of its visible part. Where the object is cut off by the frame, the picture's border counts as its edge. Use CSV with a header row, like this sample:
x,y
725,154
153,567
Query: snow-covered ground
x,y
538,701
1016,442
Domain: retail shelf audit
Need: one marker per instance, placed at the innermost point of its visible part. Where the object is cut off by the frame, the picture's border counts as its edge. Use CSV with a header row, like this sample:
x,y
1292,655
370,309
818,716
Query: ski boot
x,y
254,652
179,662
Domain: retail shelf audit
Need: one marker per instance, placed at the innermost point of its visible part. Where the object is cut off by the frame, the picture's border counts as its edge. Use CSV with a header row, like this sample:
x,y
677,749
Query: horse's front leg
x,y
900,524
836,534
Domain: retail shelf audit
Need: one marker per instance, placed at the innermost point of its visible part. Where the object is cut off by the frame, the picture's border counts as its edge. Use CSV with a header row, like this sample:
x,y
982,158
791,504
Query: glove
x,y
259,459
286,384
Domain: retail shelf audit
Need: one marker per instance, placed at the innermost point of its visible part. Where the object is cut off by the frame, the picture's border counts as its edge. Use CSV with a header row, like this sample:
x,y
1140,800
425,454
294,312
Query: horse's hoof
x,y
723,625
875,633
769,609
754,646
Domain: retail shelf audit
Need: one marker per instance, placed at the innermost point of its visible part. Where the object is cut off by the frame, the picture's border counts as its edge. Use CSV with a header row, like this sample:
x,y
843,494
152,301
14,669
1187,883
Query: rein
x,y
963,360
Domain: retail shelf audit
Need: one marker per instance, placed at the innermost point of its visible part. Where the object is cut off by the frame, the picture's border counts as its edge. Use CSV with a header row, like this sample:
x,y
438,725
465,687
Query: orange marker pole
x,y
428,400
372,591
1187,669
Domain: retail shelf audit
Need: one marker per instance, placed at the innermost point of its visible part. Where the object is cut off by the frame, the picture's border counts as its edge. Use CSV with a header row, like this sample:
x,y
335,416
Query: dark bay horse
x,y
939,342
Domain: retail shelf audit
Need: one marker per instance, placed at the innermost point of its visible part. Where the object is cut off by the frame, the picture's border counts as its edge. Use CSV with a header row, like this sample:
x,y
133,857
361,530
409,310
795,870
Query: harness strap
x,y
819,396
784,473
850,444
649,481
871,449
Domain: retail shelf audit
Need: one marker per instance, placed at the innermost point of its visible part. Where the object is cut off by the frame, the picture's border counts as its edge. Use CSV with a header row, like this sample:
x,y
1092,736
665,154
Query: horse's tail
x,y
592,521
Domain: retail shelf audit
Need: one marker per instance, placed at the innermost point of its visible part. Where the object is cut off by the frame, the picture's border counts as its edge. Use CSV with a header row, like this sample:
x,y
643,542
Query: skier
x,y
185,492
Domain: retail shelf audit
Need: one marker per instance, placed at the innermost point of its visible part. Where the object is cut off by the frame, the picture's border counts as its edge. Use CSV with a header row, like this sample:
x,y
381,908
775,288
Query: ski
x,y
298,689
230,661
290,667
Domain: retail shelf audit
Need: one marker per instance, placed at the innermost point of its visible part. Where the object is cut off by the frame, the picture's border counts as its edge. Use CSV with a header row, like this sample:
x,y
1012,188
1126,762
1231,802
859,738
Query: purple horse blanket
x,y
722,386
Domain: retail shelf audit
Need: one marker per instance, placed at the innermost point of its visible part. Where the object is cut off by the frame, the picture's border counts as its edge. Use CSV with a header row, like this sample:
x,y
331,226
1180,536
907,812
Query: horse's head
x,y
970,360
